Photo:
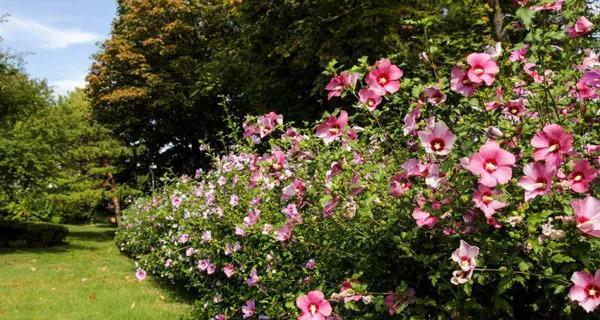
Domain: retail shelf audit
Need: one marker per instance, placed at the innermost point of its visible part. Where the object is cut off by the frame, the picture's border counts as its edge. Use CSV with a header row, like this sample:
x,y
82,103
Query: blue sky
x,y
57,37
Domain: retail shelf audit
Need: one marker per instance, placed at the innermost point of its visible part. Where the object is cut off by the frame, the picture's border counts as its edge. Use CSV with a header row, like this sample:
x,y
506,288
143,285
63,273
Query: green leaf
x,y
525,15
560,258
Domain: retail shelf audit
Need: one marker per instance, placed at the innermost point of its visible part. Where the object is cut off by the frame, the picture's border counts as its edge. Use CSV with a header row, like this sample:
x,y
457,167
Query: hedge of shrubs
x,y
469,194
31,235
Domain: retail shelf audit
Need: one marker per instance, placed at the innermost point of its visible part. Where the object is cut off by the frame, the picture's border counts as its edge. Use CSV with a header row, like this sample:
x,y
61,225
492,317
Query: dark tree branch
x,y
498,21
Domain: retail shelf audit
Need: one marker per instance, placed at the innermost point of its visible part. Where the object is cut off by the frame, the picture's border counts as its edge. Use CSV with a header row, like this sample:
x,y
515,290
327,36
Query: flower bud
x,y
494,133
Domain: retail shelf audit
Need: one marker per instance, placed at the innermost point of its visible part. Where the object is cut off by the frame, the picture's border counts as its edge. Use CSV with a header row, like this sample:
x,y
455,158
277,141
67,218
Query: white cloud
x,y
42,35
62,87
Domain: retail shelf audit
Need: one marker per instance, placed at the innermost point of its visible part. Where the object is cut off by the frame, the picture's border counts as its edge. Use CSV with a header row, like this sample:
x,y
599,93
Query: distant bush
x,y
17,234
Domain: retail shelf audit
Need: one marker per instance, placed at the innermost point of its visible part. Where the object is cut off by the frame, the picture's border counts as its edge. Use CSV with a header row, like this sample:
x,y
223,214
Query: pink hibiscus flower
x,y
176,201
592,78
284,233
399,184
582,175
369,98
551,144
395,300
460,82
183,238
435,96
588,87
330,205
211,268
423,218
253,279
278,160
519,54
499,101
410,121
492,164
263,126
514,109
461,277
581,27
252,218
140,274
268,122
234,200
554,6
483,68
415,168
437,140
529,68
291,211
485,199
337,84
385,78
587,215
248,309
295,188
332,128
229,270
203,265
589,61
465,256
537,180
206,236
313,306
434,177
586,289
348,292
190,252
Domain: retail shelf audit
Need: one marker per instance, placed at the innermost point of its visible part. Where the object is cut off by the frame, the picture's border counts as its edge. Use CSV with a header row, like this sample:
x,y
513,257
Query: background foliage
x,y
157,81
55,160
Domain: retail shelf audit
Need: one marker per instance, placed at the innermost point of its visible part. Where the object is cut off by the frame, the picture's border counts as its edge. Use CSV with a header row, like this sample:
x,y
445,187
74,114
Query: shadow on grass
x,y
106,226
48,250
75,241
177,291
101,236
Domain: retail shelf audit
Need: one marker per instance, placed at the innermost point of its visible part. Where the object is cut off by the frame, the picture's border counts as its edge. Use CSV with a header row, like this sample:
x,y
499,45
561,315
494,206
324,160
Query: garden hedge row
x,y
17,234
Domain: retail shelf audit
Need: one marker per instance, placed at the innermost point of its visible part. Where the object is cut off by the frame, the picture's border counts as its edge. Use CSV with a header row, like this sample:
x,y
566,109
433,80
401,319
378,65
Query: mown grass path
x,y
86,279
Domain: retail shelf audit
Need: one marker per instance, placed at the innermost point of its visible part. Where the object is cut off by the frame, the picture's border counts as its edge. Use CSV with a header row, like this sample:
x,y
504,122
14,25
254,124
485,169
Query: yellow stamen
x,y
540,185
313,309
487,199
490,166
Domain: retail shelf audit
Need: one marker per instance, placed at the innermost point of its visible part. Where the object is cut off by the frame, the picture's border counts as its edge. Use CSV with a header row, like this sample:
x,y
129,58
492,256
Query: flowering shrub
x,y
481,201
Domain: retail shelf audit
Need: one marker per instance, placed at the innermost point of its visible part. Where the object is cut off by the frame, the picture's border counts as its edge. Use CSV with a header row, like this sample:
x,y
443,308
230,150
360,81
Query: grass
x,y
87,279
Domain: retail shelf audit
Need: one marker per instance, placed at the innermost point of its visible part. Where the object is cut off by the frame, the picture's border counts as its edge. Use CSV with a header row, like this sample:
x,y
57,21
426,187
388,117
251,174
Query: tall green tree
x,y
144,84
59,163
91,162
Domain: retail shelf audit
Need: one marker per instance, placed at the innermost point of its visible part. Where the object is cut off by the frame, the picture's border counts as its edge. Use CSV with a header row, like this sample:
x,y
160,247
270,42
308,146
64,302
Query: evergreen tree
x,y
59,163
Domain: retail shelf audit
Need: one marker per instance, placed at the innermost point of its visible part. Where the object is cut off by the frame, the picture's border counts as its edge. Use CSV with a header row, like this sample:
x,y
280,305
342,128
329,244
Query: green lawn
x,y
86,279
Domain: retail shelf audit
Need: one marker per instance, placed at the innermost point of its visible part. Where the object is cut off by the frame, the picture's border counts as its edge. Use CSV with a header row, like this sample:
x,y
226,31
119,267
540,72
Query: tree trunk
x,y
115,198
498,21
112,185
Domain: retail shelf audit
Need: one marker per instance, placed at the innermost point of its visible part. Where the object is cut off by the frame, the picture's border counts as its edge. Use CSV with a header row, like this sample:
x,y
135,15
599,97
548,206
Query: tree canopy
x,y
158,80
